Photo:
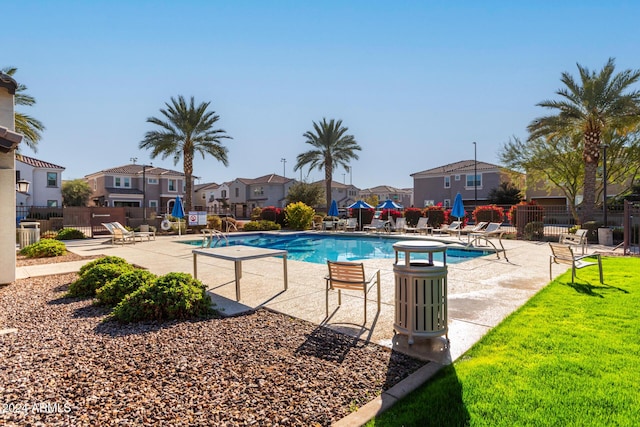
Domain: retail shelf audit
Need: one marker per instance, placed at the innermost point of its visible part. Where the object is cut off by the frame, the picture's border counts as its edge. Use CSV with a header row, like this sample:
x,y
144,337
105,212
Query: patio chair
x,y
563,254
117,235
400,225
468,229
377,225
351,225
493,229
423,226
136,234
349,276
577,239
444,228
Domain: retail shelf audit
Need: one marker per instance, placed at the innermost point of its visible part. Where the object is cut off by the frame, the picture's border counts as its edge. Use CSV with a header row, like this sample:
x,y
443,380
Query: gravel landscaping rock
x,y
65,365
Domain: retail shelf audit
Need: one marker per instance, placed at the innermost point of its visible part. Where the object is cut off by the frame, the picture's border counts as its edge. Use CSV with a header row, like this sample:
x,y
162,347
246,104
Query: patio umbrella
x,y
178,212
389,204
458,209
333,210
360,204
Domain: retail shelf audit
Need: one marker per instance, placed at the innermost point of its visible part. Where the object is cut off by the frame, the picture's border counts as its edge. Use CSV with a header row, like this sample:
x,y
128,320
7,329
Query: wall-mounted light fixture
x,y
22,186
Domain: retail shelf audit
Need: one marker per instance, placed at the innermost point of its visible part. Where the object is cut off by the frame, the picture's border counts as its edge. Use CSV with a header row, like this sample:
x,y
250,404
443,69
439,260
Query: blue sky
x,y
416,82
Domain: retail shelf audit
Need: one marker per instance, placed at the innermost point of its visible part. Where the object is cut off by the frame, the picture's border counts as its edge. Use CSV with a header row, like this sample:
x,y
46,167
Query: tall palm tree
x,y
599,102
187,129
332,148
26,125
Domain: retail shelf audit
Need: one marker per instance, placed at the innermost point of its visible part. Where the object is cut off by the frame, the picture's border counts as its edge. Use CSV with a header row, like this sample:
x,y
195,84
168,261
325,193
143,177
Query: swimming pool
x,y
318,248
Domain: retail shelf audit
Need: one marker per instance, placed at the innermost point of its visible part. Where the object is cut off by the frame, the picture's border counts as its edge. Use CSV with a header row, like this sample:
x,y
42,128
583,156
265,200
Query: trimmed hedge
x,y
44,248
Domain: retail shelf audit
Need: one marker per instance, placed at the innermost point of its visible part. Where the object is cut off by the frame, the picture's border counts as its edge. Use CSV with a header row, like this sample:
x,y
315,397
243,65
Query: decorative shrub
x,y
104,260
214,222
49,234
44,248
530,212
395,214
366,215
172,296
299,216
271,213
534,231
70,234
95,278
262,225
115,290
488,213
592,234
437,215
256,214
412,216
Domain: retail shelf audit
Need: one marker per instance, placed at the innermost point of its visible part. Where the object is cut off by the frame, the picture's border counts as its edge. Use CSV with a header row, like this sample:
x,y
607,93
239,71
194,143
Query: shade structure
x,y
360,204
333,210
458,209
389,204
178,212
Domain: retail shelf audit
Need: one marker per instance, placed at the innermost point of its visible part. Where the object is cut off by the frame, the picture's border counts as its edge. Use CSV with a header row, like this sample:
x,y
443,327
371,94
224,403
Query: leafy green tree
x,y
505,194
29,127
185,130
76,193
598,103
333,147
309,194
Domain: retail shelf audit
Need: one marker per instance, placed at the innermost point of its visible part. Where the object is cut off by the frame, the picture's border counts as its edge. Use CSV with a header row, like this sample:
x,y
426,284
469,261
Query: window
x,y
471,183
237,192
153,204
258,191
122,182
447,182
52,179
95,184
447,203
152,181
428,203
52,203
173,185
223,194
457,177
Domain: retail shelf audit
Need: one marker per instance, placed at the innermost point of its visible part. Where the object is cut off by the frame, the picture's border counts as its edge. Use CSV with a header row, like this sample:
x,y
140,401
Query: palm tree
x,y
598,103
333,147
26,125
187,129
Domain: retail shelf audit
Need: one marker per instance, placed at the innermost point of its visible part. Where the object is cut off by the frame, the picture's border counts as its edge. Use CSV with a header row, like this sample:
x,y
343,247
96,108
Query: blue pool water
x,y
318,249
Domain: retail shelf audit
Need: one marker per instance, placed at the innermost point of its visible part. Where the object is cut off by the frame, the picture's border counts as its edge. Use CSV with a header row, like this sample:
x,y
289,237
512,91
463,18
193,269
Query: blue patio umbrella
x,y
458,209
178,212
360,204
389,204
333,210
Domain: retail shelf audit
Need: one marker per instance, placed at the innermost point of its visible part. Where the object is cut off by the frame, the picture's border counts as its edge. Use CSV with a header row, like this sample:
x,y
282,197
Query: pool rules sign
x,y
198,218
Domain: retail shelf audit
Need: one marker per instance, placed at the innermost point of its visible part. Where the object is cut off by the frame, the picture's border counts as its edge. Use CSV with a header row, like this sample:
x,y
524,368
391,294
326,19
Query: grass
x,y
568,357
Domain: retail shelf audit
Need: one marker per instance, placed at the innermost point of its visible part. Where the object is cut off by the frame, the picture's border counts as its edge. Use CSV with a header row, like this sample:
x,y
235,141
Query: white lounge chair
x,y
136,234
377,225
117,235
423,226
444,228
493,229
351,225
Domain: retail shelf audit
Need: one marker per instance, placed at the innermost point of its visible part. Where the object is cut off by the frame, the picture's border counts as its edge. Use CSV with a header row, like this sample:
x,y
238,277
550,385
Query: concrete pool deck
x,y
481,293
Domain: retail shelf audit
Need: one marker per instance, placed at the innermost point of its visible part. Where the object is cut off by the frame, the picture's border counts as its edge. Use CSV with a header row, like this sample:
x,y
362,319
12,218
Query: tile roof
x,y
267,179
136,169
36,163
457,167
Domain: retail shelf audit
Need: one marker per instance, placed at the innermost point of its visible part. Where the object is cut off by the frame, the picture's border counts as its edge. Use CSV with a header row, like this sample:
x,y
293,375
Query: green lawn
x,y
569,357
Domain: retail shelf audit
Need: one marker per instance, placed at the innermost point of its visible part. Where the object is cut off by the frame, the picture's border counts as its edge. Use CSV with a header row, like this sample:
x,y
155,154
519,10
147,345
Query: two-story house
x,y
343,194
473,180
45,179
402,196
246,194
136,185
212,197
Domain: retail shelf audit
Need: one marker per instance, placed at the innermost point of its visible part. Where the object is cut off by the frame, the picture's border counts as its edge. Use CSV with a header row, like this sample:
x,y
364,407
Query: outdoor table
x,y
237,254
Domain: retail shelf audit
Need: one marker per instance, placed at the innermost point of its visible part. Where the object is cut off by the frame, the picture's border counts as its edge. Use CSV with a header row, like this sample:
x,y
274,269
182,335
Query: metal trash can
x,y
605,236
28,233
421,290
